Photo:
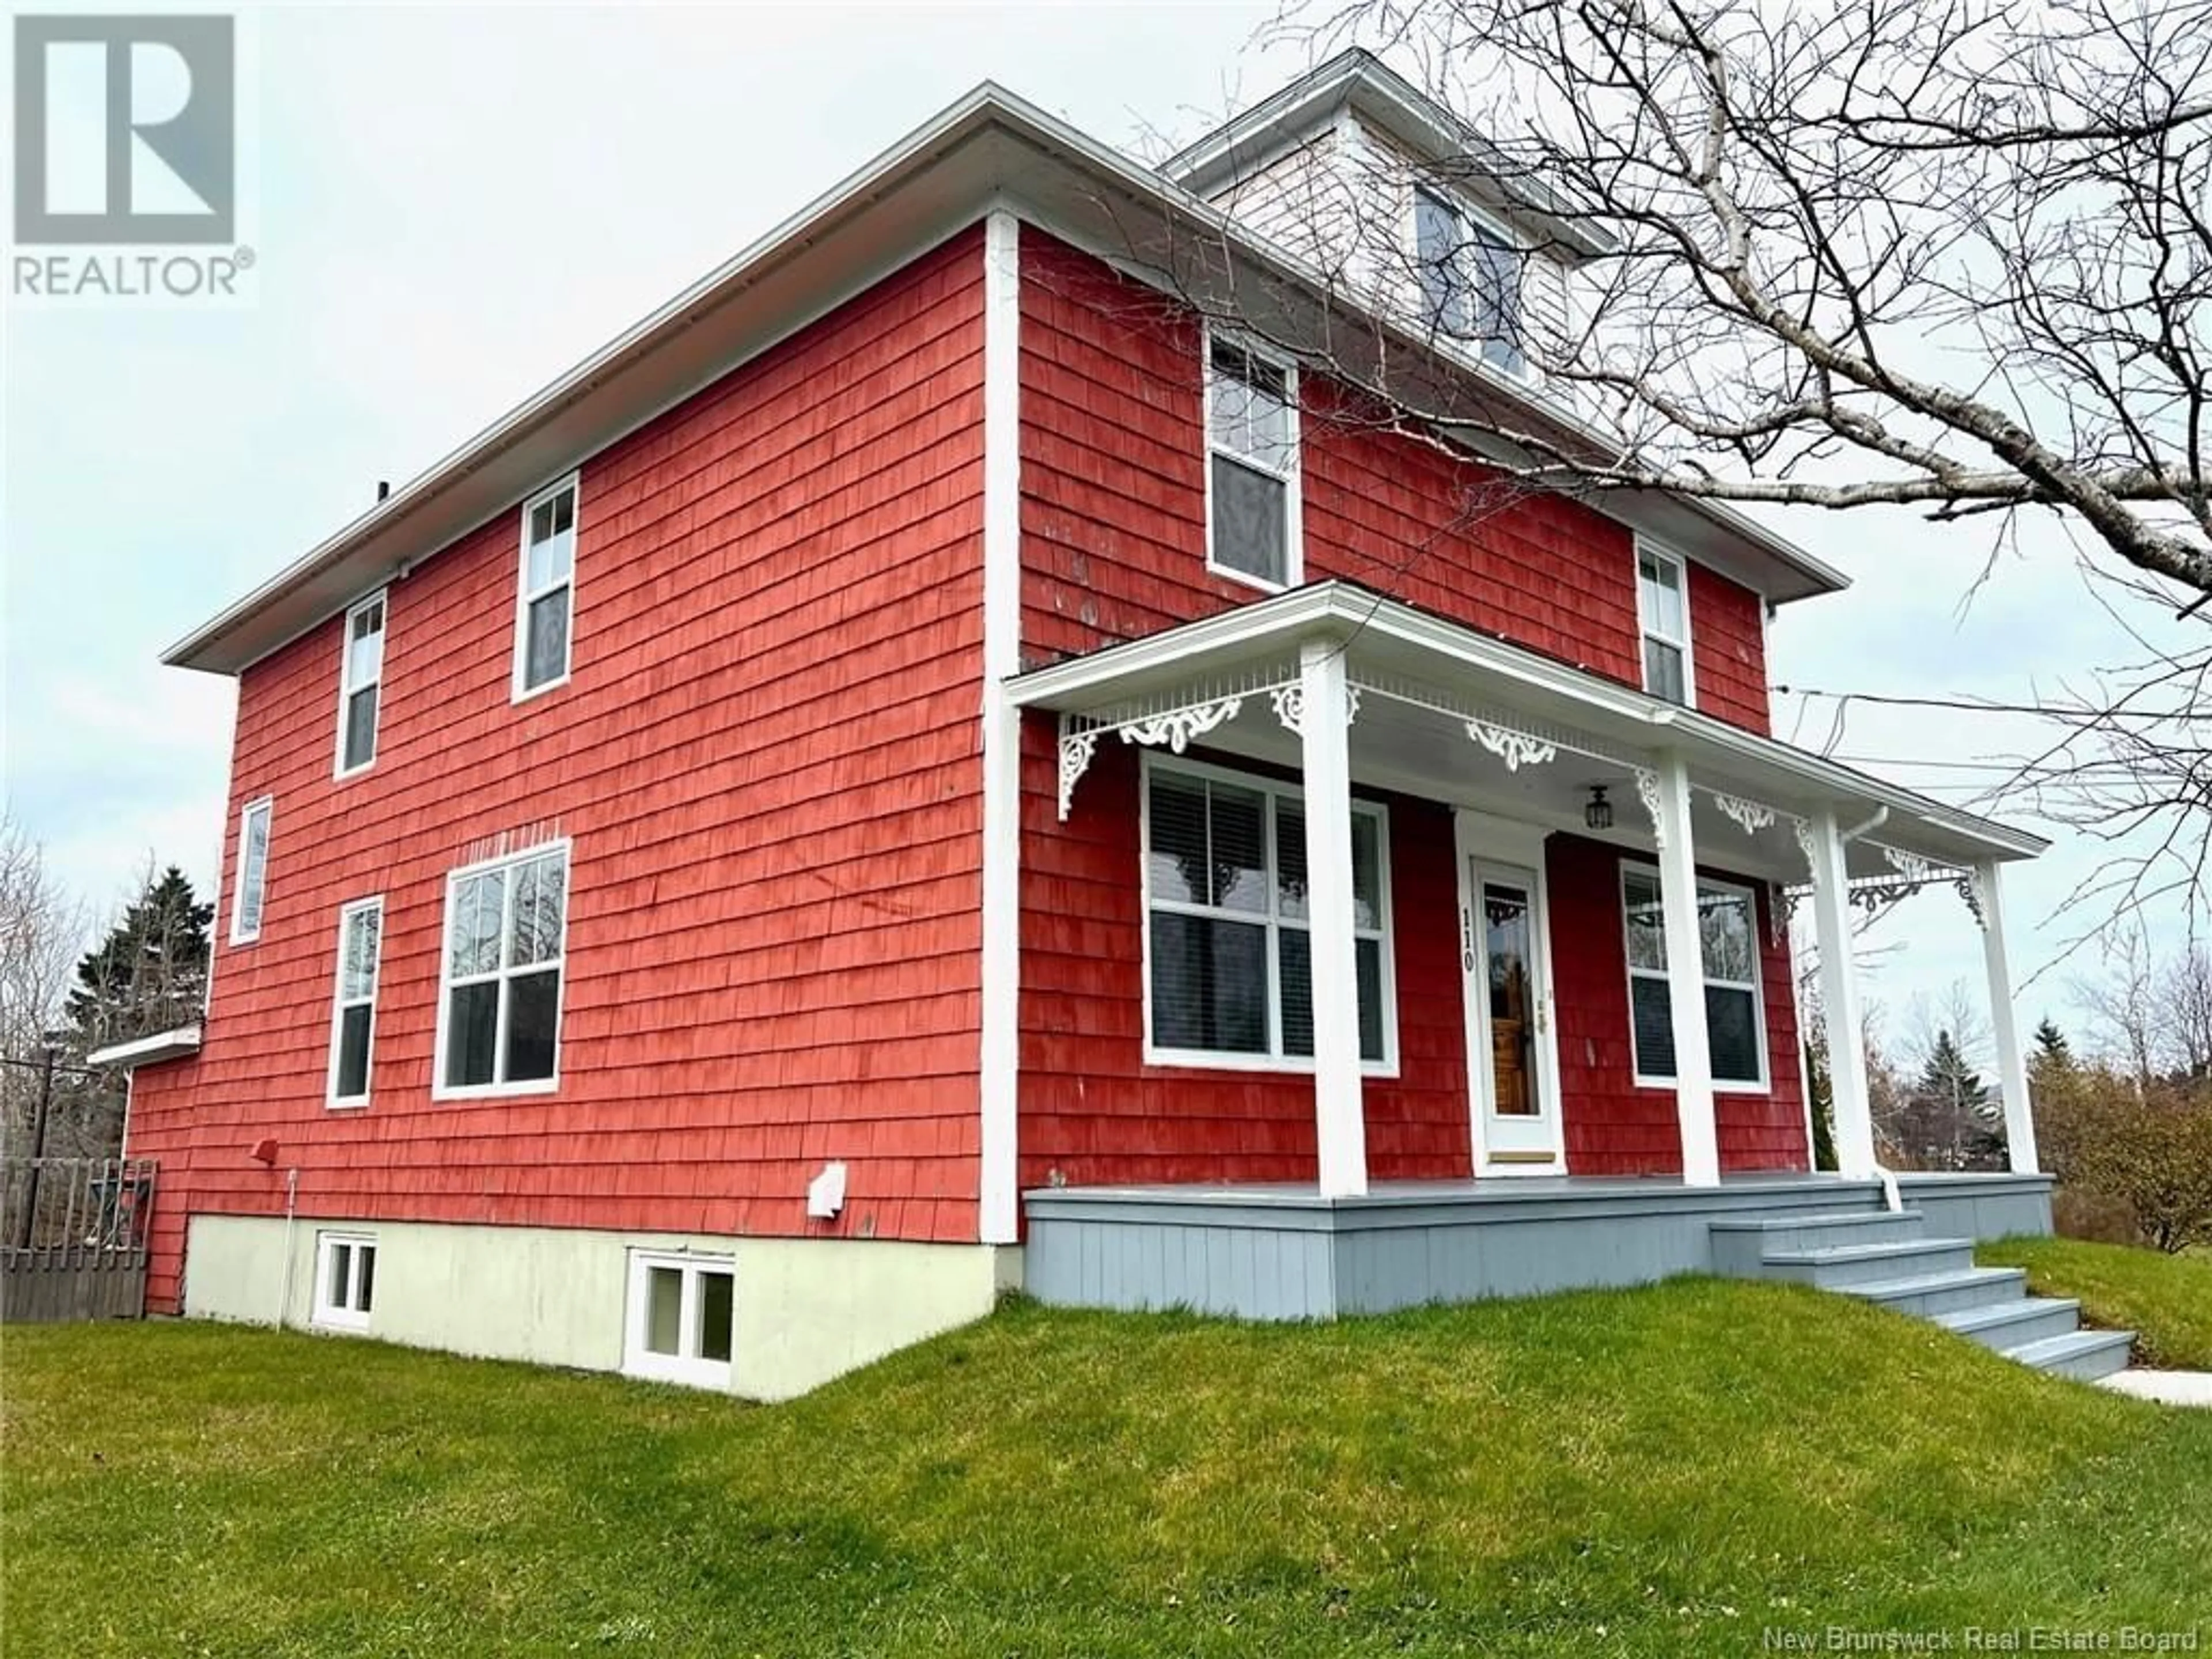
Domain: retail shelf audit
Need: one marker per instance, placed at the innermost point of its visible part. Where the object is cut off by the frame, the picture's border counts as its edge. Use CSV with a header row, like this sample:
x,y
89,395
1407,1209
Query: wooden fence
x,y
73,1237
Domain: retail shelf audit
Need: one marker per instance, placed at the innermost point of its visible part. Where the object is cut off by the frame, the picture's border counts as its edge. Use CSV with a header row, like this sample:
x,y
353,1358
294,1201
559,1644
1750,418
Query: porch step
x,y
1943,1292
2006,1325
1840,1267
1882,1258
1740,1246
2083,1355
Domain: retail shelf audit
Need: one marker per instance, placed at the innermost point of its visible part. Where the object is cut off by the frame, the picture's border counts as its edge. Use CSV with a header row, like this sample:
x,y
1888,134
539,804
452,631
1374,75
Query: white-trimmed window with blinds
x,y
546,590
1470,274
254,819
1662,608
361,685
1228,957
1735,1015
499,1010
353,1018
1252,503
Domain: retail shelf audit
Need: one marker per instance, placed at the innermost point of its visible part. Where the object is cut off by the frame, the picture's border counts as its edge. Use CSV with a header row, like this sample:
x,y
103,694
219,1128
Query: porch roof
x,y
1420,674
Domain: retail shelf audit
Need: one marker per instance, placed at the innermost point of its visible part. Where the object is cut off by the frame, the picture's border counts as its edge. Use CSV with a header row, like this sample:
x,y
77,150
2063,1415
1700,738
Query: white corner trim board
x,y
997,1219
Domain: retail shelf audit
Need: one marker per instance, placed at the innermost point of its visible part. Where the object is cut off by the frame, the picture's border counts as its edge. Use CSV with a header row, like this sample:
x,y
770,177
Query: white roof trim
x,y
1369,623
150,1050
971,155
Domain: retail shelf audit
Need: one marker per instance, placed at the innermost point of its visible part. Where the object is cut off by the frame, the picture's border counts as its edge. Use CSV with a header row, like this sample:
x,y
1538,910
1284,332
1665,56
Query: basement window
x,y
682,1326
345,1280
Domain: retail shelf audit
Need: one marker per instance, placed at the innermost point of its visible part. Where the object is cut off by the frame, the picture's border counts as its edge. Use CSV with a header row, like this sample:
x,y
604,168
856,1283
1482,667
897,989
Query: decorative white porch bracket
x,y
1647,791
1290,703
1172,728
1823,843
1750,816
1666,792
1981,889
1517,748
1339,1119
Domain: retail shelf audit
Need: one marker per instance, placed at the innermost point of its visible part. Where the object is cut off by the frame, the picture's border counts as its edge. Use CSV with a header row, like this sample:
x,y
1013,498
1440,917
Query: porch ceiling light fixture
x,y
1598,815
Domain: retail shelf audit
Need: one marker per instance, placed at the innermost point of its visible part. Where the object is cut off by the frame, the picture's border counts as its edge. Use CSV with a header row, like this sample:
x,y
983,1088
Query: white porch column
x,y
1840,998
1685,976
1322,729
2004,1021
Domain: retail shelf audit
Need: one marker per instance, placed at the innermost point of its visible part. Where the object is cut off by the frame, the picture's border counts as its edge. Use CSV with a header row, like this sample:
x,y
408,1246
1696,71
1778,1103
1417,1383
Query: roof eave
x,y
898,205
1344,610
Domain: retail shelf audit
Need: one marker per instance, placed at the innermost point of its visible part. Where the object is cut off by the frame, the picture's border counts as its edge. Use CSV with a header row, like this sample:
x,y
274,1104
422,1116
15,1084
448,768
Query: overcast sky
x,y
456,205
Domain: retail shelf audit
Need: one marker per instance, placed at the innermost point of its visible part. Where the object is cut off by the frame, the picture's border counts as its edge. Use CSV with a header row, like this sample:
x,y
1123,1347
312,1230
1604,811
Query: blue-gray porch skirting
x,y
1264,1252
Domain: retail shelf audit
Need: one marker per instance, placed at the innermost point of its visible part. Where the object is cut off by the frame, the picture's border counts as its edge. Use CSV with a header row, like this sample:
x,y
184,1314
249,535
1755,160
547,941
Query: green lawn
x,y
2165,1300
1661,1471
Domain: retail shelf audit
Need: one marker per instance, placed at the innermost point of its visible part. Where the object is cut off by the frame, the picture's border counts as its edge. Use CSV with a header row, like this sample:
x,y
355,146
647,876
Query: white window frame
x,y
686,1368
1756,985
1647,627
1471,219
525,595
1294,540
264,807
1275,1059
439,1089
347,690
340,1003
338,1312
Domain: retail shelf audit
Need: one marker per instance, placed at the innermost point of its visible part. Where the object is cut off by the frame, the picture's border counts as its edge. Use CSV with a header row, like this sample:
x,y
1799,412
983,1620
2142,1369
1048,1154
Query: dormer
x,y
1399,203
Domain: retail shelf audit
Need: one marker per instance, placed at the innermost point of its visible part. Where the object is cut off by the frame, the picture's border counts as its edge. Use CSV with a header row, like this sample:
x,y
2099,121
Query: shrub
x,y
2123,1157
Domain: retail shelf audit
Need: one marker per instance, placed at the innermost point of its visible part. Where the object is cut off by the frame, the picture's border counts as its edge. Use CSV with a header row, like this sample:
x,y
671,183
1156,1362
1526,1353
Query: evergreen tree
x,y
150,972
1947,1077
2051,1048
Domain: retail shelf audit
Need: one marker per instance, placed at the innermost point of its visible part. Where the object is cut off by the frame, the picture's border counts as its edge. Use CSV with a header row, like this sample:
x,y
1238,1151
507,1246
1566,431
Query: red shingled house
x,y
935,742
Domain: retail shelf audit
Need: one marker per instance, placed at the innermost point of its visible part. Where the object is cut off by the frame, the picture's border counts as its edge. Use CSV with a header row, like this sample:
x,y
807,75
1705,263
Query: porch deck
x,y
1286,1252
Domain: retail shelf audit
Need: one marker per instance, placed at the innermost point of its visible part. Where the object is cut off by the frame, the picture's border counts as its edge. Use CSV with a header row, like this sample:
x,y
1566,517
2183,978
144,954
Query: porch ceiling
x,y
1450,714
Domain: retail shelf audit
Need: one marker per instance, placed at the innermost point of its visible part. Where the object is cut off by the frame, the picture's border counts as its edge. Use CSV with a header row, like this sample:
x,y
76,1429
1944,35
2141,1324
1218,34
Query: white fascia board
x,y
150,1050
1369,621
943,175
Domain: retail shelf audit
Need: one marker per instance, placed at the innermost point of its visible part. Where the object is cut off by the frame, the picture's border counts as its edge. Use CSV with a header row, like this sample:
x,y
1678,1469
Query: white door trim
x,y
1480,838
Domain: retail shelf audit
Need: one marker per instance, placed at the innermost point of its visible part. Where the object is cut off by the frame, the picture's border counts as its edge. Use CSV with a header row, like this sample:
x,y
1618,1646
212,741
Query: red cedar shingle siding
x,y
1092,1110
1728,650
1614,1127
767,762
1114,537
1113,507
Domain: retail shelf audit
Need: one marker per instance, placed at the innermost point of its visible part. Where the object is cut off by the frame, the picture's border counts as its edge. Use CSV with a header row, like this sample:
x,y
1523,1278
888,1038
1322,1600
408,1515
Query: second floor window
x,y
361,680
543,610
1662,605
1470,277
1252,445
252,871
505,930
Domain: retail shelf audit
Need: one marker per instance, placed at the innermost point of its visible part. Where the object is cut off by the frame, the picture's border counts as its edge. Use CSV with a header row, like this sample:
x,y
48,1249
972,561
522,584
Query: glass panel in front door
x,y
1505,912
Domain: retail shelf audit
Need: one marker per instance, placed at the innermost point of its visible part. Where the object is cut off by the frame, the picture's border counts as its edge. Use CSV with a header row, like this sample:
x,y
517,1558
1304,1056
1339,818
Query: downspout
x,y
1891,1198
291,1206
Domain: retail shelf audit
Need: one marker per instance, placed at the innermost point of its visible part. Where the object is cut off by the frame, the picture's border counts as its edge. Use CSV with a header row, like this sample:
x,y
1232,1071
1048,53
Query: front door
x,y
1508,1000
